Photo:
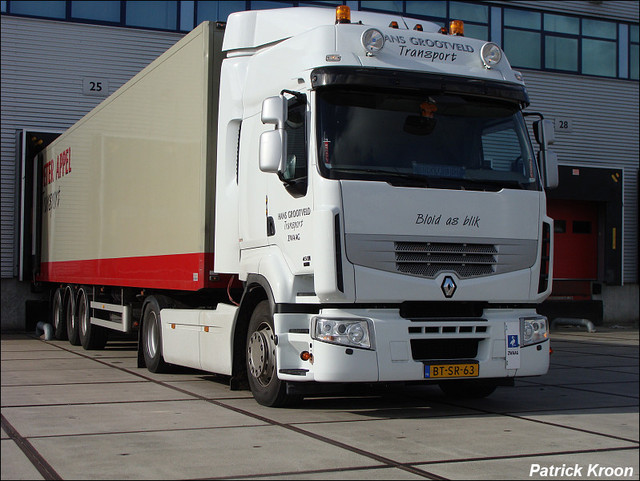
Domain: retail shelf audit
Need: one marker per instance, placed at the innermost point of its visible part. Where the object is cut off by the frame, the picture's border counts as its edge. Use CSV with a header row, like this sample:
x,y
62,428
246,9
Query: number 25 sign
x,y
98,87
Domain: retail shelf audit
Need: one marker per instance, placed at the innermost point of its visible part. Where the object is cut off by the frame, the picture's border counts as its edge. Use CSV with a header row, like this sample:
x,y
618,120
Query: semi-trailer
x,y
305,197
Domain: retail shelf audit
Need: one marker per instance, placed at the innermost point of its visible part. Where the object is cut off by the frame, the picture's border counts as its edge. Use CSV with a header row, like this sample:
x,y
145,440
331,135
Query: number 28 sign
x,y
563,124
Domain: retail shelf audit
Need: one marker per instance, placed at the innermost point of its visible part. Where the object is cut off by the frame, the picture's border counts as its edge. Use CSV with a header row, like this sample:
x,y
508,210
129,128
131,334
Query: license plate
x,y
439,371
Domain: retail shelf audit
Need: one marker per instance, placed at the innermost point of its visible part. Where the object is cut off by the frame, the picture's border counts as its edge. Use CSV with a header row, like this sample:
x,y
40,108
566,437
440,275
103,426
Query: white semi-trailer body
x,y
302,198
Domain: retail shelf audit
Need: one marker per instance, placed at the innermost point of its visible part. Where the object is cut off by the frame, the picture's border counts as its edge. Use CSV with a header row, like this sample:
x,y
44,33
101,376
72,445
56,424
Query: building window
x,y
599,48
152,14
474,15
217,11
52,9
394,7
266,5
561,42
565,43
102,11
634,53
522,27
436,10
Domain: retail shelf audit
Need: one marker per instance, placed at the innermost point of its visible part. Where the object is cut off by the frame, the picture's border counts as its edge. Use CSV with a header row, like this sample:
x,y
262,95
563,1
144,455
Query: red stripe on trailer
x,y
178,271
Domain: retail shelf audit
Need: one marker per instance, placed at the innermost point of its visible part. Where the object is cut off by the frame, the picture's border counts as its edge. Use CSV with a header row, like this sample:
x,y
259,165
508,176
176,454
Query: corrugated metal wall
x,y
43,65
604,133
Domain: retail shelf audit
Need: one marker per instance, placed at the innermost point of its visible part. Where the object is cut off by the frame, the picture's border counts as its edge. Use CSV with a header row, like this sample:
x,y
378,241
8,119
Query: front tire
x,y
262,370
152,338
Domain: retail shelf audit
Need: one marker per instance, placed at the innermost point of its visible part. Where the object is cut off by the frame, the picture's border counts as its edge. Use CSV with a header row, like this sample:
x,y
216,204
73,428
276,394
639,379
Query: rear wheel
x,y
262,369
57,315
152,338
71,318
91,336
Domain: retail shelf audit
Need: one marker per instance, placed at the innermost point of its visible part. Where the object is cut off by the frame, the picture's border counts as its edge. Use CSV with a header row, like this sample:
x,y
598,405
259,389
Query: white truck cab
x,y
384,197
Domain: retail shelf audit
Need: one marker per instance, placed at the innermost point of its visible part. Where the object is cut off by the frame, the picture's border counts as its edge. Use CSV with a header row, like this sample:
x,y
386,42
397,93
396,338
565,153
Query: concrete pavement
x,y
74,414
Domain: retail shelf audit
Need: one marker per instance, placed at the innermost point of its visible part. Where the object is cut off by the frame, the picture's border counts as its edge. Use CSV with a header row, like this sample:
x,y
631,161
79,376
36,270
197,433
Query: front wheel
x,y
152,338
262,368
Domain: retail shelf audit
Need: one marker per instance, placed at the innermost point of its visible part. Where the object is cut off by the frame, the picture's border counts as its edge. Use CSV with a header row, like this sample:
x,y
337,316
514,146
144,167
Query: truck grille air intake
x,y
428,259
430,256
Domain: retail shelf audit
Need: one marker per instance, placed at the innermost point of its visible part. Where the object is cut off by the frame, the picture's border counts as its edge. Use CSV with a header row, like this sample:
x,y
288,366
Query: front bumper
x,y
401,347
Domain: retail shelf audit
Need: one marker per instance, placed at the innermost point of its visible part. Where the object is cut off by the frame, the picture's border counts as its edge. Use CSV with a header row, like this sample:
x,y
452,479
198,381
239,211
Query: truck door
x,y
289,202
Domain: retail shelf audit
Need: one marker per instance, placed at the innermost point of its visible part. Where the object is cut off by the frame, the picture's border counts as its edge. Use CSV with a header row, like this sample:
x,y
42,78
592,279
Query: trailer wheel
x,y
73,332
471,389
262,370
91,336
57,315
152,338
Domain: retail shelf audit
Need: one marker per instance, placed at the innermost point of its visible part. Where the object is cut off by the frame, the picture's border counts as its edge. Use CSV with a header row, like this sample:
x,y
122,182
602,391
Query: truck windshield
x,y
424,140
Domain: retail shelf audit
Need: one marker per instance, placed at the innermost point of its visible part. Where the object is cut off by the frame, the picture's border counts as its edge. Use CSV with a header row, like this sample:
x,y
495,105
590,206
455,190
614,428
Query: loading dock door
x,y
28,144
575,239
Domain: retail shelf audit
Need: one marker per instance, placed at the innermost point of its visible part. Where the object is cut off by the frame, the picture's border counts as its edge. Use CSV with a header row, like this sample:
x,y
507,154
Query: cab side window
x,y
295,171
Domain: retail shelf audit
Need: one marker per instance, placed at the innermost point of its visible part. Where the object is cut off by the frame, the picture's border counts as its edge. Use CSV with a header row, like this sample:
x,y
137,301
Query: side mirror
x,y
544,132
272,150
274,111
548,161
273,143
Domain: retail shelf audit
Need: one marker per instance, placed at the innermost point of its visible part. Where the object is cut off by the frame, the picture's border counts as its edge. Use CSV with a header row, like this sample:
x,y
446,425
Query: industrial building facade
x,y
579,60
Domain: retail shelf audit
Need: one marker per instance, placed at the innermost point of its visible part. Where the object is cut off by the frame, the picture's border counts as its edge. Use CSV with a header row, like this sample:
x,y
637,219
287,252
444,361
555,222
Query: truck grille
x,y
428,259
429,256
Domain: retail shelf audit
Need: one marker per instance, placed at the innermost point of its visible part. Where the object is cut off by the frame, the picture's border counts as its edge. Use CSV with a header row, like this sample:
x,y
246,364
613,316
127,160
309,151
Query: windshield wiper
x,y
408,179
398,178
493,184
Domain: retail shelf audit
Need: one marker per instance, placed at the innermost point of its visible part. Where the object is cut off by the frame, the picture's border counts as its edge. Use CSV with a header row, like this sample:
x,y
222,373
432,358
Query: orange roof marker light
x,y
343,14
456,27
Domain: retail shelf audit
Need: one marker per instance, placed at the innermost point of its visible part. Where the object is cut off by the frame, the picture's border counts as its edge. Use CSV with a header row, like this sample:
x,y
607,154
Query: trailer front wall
x,y
125,189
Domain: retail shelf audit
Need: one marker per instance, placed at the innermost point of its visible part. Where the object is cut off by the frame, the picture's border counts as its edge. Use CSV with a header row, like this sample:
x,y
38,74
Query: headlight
x,y
490,54
372,40
533,330
346,332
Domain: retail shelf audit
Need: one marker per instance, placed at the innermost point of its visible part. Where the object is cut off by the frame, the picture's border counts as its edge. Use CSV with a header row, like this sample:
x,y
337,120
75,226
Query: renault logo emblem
x,y
448,287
